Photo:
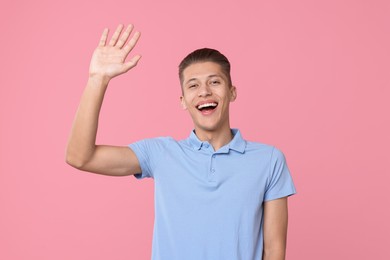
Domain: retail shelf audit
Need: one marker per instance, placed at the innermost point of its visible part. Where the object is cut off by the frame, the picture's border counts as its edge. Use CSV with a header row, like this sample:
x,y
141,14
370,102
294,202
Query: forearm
x,y
82,140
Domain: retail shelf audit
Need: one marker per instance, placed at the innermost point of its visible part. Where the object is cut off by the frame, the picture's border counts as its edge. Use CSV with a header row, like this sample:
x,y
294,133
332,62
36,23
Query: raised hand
x,y
109,60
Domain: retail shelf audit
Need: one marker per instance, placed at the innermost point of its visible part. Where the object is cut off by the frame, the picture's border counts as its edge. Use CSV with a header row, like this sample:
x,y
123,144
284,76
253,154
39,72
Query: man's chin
x,y
210,125
207,127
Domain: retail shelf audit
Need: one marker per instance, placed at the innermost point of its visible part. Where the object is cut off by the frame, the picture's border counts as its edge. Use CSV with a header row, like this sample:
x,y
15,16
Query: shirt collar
x,y
237,144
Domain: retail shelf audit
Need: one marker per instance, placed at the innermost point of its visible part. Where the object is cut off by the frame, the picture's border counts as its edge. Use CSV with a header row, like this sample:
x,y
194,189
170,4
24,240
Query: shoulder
x,y
156,140
259,147
271,152
152,144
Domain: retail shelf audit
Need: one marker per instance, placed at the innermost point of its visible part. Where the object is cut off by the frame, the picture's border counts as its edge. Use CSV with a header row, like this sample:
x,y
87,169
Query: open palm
x,y
109,60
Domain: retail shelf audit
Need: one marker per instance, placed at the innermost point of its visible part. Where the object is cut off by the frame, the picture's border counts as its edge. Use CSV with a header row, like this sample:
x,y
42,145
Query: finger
x,y
122,40
131,63
116,34
103,39
133,41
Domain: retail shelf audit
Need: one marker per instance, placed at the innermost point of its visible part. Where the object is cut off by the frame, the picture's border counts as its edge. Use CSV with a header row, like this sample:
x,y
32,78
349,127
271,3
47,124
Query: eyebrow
x,y
209,76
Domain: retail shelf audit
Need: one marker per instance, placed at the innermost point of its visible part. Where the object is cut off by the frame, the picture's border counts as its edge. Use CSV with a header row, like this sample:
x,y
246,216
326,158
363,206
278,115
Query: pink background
x,y
312,78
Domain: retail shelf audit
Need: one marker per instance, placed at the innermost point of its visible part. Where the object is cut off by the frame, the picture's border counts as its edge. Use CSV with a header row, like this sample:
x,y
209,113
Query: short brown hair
x,y
204,55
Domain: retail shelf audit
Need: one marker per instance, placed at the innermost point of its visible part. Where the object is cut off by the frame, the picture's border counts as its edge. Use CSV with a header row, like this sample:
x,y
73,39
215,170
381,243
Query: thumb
x,y
131,63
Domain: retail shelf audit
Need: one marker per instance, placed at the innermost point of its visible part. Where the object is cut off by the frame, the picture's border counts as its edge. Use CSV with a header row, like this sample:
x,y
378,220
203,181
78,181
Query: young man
x,y
217,196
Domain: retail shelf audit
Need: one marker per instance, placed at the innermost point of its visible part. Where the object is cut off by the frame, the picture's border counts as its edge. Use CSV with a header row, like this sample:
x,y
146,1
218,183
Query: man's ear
x,y
183,103
233,93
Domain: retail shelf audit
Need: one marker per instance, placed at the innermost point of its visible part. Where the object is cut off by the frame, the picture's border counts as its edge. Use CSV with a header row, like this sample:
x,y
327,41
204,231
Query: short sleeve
x,y
280,183
148,152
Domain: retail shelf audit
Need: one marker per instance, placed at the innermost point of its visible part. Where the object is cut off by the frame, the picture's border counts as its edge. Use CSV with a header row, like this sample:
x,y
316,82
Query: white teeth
x,y
207,105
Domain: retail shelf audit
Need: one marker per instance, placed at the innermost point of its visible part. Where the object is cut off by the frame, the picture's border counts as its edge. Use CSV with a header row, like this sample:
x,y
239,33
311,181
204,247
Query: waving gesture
x,y
109,60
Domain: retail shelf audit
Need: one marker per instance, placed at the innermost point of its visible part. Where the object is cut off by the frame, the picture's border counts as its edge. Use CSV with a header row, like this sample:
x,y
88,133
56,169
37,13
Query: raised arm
x,y
108,61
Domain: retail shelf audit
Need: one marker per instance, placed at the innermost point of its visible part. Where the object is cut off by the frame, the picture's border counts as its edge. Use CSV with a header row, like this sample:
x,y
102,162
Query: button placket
x,y
212,168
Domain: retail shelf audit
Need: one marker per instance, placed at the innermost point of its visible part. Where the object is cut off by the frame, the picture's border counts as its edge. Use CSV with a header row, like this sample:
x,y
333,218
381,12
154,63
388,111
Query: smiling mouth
x,y
207,107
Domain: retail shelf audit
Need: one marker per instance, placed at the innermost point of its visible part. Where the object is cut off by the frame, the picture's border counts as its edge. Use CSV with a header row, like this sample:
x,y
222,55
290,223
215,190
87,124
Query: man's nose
x,y
204,90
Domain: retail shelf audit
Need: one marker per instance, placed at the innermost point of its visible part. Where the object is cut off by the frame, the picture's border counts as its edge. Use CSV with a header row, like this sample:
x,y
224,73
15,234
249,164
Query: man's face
x,y
206,96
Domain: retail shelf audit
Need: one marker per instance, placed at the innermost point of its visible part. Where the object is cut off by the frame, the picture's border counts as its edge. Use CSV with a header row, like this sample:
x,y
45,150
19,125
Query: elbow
x,y
75,161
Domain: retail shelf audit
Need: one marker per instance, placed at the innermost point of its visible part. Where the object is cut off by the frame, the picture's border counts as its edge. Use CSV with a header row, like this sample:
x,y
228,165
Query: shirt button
x,y
213,156
206,145
213,170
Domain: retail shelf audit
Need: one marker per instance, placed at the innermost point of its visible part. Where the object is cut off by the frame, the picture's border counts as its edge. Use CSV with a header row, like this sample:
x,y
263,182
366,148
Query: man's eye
x,y
215,82
192,86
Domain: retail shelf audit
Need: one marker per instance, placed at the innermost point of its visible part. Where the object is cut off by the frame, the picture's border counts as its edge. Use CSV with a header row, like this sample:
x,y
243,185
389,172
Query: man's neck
x,y
215,138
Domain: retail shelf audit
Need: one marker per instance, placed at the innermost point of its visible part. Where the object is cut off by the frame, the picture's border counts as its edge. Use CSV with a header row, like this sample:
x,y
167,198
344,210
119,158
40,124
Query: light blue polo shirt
x,y
209,204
